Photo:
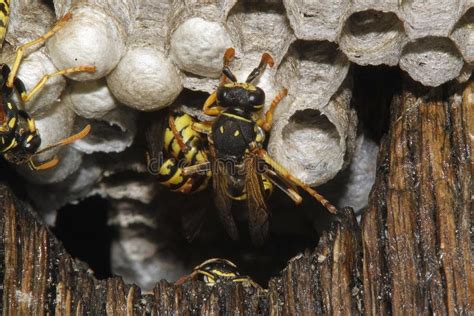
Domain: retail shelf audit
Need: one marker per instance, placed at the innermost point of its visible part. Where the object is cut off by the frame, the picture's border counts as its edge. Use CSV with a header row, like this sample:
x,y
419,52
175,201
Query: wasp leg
x,y
176,135
71,139
21,50
208,107
202,168
27,96
47,165
284,173
186,278
202,127
257,71
283,185
266,123
246,280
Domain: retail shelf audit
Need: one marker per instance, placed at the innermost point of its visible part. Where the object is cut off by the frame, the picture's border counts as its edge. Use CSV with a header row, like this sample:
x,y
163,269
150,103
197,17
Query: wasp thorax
x,y
242,95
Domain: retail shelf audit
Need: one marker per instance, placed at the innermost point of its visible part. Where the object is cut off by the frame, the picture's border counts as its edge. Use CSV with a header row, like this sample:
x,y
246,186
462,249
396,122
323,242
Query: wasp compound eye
x,y
257,99
222,95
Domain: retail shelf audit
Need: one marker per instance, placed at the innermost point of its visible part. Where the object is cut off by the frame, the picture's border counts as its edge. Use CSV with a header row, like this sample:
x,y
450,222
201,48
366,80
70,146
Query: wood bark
x,y
413,253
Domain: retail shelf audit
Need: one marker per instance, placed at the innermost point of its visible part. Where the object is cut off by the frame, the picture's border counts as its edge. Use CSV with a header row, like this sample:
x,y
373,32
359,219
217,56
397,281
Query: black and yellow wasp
x,y
19,138
173,145
241,168
218,270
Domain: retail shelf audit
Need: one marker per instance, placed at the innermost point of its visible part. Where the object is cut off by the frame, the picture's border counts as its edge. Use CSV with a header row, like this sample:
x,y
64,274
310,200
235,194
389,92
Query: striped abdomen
x,y
171,171
192,139
4,17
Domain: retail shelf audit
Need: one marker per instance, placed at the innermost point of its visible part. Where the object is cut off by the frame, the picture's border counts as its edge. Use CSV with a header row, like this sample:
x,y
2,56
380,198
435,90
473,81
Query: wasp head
x,y
242,95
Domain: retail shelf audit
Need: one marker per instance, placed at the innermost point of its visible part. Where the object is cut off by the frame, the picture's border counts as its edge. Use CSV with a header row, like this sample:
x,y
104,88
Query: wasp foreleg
x,y
21,50
284,173
267,123
27,96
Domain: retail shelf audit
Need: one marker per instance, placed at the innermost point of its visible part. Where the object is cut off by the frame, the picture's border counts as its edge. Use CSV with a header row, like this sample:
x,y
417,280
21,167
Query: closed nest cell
x,y
153,55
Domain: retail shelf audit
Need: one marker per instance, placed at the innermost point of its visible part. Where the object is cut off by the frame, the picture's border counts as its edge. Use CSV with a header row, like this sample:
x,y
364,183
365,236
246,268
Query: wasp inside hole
x,y
240,167
19,137
217,270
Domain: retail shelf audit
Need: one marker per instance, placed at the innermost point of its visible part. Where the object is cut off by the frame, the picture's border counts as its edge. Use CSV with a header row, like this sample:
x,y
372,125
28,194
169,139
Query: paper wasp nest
x,y
147,51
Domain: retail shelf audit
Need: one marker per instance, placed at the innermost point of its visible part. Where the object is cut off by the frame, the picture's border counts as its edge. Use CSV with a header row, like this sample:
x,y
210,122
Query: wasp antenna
x,y
201,168
281,170
228,73
228,56
85,131
256,72
47,165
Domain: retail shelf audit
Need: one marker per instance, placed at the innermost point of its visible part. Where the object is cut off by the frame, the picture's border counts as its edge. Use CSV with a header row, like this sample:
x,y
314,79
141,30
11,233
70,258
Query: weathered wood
x,y
41,278
417,230
412,255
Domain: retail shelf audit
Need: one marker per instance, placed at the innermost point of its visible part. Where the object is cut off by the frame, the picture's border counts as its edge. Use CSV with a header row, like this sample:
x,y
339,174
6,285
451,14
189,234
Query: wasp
x,y
218,270
173,144
240,167
19,138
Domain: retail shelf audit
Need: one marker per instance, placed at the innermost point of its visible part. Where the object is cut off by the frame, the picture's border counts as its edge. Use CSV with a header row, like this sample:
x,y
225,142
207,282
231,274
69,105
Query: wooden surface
x,y
412,255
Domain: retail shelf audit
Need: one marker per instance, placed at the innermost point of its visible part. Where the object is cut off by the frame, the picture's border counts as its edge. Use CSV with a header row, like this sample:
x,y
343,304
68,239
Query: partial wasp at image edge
x,y
19,137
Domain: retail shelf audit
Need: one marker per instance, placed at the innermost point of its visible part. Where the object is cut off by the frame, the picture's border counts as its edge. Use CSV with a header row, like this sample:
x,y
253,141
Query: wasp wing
x,y
193,215
257,208
220,184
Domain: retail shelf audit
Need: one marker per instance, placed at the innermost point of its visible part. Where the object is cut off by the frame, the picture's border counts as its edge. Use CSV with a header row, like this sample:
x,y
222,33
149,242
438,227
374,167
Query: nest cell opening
x,y
463,35
421,59
309,133
313,67
105,137
257,24
372,37
434,17
316,19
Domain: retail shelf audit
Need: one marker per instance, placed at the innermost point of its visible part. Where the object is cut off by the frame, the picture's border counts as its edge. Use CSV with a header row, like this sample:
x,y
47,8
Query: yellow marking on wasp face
x,y
236,133
259,106
12,123
245,85
9,105
221,129
236,117
29,138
